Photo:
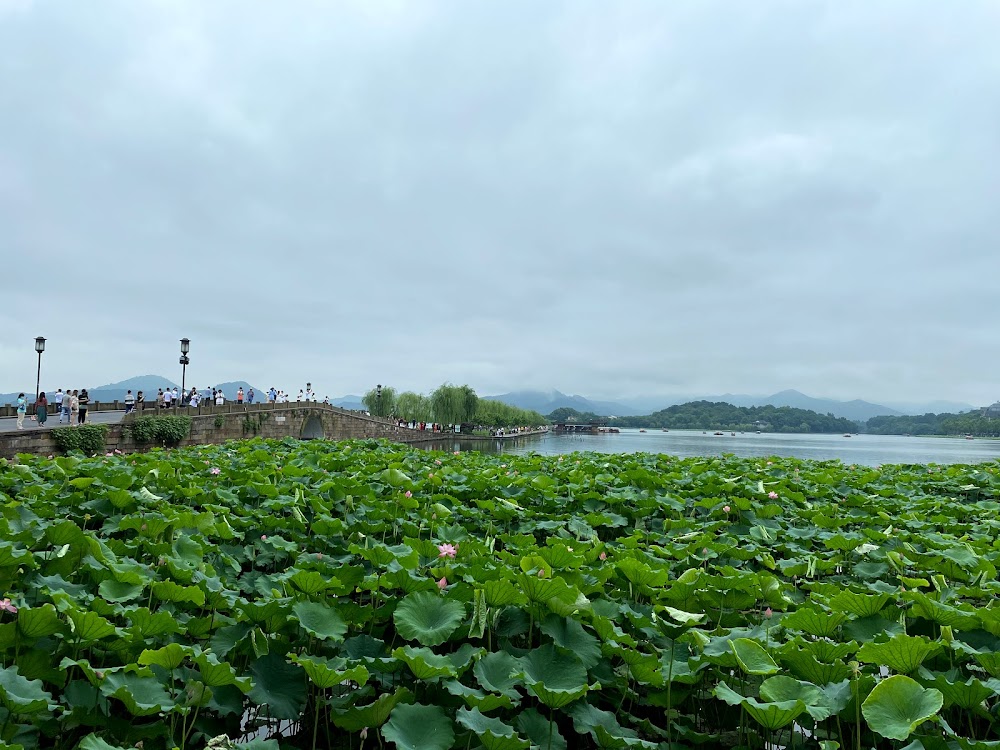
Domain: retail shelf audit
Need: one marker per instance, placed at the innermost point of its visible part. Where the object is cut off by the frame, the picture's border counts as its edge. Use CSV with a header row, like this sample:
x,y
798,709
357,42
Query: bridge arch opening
x,y
313,428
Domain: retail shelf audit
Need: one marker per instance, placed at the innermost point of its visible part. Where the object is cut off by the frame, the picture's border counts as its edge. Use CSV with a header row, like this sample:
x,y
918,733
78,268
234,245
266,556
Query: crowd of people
x,y
71,405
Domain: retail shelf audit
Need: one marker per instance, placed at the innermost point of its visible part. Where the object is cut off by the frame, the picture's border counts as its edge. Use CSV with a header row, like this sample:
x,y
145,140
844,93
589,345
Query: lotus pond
x,y
362,594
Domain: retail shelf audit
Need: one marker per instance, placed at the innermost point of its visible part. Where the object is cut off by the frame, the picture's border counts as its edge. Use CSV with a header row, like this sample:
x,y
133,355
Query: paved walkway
x,y
97,417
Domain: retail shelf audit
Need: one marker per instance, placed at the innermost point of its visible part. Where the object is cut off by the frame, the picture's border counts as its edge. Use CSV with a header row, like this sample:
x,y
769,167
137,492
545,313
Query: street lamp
x,y
39,347
185,361
378,400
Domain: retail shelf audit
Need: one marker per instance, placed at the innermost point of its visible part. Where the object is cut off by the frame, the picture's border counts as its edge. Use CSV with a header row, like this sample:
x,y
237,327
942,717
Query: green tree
x,y
380,404
414,406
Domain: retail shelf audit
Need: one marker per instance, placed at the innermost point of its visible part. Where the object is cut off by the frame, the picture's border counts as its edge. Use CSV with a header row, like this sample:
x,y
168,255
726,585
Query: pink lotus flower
x,y
407,494
604,555
768,614
215,470
431,475
773,495
447,550
437,461
457,452
443,583
725,508
109,455
768,463
541,573
263,537
7,606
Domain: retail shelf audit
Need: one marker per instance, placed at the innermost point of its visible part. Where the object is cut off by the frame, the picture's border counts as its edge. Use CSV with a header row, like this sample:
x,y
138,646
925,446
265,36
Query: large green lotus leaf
x,y
142,696
569,634
814,621
320,620
64,532
501,593
93,742
169,591
475,698
373,714
424,663
310,582
326,673
680,616
990,661
752,657
898,705
774,716
901,653
968,695
641,574
419,727
428,618
493,733
148,625
604,727
11,556
115,591
781,688
542,733
170,656
279,686
943,614
556,678
90,626
217,674
21,695
861,605
496,673
38,622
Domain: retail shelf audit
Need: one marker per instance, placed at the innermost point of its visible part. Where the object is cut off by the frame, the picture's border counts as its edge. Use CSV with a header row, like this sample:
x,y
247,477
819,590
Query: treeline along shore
x,y
708,415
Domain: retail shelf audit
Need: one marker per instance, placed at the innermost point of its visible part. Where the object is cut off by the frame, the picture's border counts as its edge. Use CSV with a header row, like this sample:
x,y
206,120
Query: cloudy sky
x,y
610,199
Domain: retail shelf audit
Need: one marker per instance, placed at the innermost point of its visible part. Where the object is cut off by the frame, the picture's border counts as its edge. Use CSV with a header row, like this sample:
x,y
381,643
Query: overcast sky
x,y
610,199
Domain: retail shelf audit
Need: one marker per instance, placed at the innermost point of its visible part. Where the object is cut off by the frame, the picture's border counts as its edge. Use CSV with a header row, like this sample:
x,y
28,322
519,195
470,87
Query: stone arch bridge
x,y
232,421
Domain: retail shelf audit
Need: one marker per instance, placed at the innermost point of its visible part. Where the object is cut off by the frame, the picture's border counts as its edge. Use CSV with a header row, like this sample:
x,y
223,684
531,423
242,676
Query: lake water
x,y
870,450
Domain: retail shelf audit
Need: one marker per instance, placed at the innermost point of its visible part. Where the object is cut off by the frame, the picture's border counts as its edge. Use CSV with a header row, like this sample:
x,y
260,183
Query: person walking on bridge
x,y
22,409
67,405
129,402
250,396
74,406
84,406
41,406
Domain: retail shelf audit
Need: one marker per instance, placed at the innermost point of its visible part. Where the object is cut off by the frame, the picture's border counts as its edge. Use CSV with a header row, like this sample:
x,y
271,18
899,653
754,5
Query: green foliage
x,y
969,423
611,601
383,405
707,415
219,421
414,407
88,438
253,423
160,430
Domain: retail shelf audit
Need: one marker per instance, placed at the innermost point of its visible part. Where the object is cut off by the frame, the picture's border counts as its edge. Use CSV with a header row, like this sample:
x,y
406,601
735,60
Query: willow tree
x,y
413,407
453,404
380,403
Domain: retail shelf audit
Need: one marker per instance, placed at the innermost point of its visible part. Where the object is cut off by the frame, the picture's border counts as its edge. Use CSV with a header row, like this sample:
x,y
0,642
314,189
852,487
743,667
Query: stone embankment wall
x,y
237,422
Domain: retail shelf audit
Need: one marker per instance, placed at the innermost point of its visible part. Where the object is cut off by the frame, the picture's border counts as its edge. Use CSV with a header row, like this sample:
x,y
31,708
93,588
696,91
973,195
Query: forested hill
x,y
706,415
970,423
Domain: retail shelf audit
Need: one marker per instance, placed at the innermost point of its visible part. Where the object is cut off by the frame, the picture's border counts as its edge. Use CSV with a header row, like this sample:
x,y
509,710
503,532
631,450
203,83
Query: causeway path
x,y
9,424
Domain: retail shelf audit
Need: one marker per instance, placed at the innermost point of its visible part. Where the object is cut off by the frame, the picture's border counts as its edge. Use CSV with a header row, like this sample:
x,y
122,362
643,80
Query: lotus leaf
x,y
898,705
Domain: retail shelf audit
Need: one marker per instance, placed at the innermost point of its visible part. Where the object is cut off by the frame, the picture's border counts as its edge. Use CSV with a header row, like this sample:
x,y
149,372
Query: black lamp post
x,y
378,400
185,361
39,347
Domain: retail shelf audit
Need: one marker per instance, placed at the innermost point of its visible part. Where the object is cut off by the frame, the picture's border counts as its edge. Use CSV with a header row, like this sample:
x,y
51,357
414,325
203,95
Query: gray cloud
x,y
610,199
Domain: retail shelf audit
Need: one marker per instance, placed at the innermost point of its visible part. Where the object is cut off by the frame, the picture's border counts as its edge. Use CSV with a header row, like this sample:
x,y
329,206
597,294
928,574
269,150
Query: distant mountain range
x,y
857,410
545,402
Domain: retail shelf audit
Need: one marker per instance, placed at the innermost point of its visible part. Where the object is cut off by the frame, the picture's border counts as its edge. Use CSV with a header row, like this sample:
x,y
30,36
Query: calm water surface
x,y
870,450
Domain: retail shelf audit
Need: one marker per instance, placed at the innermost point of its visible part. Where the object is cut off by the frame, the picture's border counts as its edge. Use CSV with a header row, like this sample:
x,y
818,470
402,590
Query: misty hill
x,y
545,402
856,410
